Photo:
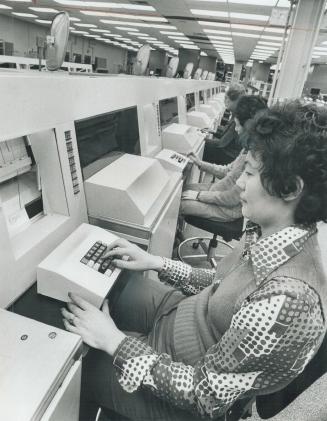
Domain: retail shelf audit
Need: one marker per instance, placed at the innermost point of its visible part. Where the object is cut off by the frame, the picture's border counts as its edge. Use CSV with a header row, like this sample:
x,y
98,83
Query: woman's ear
x,y
295,194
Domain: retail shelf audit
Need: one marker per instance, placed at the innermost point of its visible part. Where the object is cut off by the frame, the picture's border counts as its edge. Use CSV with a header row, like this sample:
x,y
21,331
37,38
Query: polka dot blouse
x,y
272,336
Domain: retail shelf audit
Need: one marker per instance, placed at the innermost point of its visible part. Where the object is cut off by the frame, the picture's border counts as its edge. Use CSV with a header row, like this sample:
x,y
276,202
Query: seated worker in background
x,y
248,329
225,145
220,200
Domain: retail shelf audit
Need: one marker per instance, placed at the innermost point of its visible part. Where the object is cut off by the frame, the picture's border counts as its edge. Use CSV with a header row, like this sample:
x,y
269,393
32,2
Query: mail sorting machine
x,y
52,176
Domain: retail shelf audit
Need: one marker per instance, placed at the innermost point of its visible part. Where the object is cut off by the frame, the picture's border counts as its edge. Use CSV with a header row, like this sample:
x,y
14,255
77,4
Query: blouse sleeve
x,y
190,280
272,337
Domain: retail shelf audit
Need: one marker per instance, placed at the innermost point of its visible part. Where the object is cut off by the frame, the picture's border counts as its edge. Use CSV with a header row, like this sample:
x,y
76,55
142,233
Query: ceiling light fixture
x,y
272,37
190,47
126,28
79,32
86,25
171,33
218,24
106,5
241,34
105,31
46,22
43,9
137,24
220,38
125,16
24,15
277,44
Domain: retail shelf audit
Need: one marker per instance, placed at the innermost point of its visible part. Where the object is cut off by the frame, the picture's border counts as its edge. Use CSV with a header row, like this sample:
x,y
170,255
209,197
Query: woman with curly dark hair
x,y
246,330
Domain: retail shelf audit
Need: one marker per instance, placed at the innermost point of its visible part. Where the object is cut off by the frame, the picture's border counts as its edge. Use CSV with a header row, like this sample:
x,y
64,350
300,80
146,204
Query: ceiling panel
x,y
233,21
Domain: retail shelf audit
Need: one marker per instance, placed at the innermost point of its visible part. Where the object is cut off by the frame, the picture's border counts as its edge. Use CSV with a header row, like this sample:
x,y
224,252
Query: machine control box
x,y
172,161
77,265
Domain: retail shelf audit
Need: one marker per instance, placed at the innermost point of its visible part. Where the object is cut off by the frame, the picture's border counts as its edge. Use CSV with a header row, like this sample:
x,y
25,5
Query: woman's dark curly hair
x,y
291,142
247,107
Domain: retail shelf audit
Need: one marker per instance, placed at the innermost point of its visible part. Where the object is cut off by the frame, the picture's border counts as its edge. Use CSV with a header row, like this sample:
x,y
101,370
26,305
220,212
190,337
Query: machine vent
x,y
71,160
158,119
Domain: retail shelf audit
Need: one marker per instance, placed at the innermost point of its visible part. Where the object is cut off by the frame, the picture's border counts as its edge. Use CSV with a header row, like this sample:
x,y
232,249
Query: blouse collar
x,y
268,253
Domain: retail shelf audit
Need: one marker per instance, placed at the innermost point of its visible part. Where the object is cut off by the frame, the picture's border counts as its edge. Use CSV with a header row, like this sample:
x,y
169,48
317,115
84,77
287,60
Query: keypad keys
x,y
93,259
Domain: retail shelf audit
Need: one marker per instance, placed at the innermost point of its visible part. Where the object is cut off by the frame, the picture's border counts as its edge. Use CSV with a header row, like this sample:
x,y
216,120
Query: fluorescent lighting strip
x,y
215,37
263,47
217,24
106,5
104,31
3,6
46,22
215,42
172,33
86,25
241,34
223,14
179,38
124,16
24,15
189,47
43,9
185,42
271,37
126,28
148,38
79,32
137,24
277,44
214,31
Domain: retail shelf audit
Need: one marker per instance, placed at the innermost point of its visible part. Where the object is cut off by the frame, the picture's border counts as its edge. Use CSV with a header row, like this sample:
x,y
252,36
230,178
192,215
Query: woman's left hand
x,y
190,195
96,327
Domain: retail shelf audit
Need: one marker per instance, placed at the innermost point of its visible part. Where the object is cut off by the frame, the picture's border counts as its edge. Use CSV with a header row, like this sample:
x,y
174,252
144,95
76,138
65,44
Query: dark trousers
x,y
135,310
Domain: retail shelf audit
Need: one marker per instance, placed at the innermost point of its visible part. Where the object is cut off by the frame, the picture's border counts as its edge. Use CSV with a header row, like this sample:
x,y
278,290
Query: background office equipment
x,y
139,201
142,60
41,200
168,109
104,138
40,370
204,75
188,70
41,206
190,101
172,67
57,41
198,73
172,161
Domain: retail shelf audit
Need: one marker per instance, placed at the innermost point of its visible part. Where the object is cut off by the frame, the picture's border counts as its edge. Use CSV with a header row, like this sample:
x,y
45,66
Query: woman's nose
x,y
240,181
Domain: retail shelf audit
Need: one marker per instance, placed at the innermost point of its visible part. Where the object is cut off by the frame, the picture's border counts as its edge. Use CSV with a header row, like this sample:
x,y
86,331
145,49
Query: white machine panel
x,y
208,109
129,189
76,266
172,161
199,119
34,360
182,138
217,105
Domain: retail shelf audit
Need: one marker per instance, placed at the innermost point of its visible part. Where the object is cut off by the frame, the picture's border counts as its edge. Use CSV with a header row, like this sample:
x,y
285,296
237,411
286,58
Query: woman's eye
x,y
248,173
